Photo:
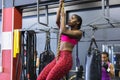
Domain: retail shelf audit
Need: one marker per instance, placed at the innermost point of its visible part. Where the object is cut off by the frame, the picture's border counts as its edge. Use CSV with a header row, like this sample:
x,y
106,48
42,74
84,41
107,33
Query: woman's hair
x,y
105,53
79,19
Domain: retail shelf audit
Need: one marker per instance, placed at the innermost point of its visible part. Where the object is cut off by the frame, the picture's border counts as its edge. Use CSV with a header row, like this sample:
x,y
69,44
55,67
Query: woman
x,y
69,38
107,67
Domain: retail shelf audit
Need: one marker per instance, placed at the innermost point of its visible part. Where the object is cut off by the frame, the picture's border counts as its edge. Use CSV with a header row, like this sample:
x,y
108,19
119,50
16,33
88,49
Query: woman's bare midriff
x,y
66,46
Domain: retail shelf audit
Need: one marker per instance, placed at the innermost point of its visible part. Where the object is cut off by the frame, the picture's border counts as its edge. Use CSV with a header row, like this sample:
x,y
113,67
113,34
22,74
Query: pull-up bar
x,y
38,1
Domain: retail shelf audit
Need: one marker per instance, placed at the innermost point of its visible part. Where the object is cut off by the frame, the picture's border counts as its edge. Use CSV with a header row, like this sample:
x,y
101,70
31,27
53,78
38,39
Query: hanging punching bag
x,y
93,63
46,56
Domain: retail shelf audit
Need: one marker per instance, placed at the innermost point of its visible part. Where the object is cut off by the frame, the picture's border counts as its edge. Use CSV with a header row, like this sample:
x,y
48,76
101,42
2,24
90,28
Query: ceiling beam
x,y
69,7
26,3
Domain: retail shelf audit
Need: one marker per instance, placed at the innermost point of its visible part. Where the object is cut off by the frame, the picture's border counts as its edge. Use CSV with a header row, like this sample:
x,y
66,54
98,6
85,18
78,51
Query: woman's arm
x,y
37,62
112,73
58,13
63,27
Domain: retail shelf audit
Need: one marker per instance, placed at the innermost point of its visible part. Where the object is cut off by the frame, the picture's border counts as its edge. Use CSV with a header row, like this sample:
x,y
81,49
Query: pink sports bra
x,y
68,39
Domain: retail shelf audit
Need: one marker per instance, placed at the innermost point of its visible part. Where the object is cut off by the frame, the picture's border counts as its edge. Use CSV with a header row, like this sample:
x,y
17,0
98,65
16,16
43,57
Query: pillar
x,y
11,19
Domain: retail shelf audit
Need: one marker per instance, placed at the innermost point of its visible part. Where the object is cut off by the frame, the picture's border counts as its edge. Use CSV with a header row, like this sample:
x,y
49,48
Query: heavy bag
x,y
93,66
93,63
46,56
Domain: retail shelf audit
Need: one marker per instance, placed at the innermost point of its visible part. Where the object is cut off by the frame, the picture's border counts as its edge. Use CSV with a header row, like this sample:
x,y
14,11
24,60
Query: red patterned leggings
x,y
56,70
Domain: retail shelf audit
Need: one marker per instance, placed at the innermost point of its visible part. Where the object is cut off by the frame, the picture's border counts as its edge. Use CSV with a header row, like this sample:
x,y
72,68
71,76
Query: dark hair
x,y
79,19
106,53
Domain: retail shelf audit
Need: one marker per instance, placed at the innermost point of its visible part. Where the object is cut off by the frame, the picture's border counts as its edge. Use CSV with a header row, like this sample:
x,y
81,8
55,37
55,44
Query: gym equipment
x,y
18,64
78,74
93,62
28,49
22,75
47,55
30,55
79,68
16,42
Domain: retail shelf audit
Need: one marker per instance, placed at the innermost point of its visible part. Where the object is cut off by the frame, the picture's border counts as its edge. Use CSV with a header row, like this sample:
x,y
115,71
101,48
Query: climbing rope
x,y
59,37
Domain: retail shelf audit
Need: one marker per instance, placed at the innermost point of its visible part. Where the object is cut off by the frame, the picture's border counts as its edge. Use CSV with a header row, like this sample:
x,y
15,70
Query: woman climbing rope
x,y
61,65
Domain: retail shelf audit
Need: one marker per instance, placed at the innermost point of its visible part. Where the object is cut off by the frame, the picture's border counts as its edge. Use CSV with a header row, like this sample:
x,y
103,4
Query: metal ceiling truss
x,y
26,3
29,6
105,16
46,8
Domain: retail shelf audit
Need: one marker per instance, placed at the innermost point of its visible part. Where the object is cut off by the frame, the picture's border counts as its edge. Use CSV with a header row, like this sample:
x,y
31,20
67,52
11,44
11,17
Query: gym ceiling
x,y
30,5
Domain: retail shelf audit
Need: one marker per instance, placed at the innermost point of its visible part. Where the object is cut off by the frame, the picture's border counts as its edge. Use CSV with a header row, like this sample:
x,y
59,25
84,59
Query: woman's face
x,y
72,21
104,58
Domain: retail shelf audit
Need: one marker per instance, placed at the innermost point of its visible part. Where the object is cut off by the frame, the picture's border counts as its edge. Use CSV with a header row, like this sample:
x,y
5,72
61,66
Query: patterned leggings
x,y
56,70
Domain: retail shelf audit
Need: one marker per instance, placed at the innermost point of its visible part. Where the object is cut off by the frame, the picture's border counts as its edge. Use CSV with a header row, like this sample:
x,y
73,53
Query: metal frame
x,y
46,7
106,16
69,6
30,10
38,17
105,8
23,3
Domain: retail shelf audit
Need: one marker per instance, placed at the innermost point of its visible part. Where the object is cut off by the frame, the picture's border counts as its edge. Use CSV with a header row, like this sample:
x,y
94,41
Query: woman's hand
x,y
61,3
59,13
61,0
62,8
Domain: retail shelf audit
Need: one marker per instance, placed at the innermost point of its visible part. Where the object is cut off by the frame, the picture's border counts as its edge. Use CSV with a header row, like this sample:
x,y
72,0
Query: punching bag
x,y
47,55
93,63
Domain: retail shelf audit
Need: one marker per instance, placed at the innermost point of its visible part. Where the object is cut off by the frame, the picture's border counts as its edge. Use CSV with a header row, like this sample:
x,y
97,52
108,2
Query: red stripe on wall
x,y
7,19
11,19
6,63
17,19
4,76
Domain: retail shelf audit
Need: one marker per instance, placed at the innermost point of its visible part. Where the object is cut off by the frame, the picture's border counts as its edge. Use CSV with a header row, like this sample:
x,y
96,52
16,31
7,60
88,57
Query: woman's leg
x,y
46,70
62,66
